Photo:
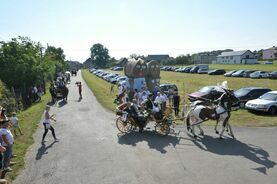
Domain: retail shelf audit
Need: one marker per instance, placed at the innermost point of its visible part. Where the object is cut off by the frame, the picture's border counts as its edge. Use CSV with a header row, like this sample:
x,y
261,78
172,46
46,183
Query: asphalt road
x,y
92,151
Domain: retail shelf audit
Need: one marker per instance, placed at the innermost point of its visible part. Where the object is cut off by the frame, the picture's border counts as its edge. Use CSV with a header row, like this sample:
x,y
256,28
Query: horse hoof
x,y
216,132
220,138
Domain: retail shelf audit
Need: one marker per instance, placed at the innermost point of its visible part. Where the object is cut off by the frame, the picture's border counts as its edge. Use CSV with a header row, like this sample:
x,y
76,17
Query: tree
x,y
99,55
23,63
56,55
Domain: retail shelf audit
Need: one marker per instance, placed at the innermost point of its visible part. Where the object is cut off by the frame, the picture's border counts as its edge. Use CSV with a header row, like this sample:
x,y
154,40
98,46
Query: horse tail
x,y
188,123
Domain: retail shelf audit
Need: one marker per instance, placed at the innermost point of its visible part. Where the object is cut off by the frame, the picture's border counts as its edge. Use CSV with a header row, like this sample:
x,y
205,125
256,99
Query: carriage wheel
x,y
162,128
123,126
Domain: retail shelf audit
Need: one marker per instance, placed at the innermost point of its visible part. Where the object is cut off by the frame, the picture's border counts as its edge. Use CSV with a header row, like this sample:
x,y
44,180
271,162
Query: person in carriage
x,y
134,112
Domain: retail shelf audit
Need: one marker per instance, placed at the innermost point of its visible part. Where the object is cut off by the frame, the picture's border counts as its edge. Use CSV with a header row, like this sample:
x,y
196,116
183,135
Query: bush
x,y
7,100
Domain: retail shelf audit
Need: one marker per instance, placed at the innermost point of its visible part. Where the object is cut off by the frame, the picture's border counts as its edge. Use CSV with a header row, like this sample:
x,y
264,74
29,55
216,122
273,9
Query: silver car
x,y
266,103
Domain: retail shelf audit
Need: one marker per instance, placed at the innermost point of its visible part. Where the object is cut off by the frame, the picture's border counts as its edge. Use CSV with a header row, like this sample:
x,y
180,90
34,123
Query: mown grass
x,y
101,90
188,83
28,120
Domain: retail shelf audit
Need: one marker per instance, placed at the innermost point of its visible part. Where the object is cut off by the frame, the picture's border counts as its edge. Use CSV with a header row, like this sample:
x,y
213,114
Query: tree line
x,y
24,63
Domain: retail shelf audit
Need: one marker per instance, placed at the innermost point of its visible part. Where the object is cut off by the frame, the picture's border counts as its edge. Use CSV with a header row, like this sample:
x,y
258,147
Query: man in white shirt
x,y
164,99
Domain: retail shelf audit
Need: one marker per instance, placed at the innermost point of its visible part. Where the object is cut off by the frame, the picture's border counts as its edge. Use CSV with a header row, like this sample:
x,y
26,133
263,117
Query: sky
x,y
141,27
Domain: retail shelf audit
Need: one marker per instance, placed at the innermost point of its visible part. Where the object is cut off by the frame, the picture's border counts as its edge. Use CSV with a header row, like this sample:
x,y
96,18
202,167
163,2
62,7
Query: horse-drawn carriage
x,y
193,115
126,123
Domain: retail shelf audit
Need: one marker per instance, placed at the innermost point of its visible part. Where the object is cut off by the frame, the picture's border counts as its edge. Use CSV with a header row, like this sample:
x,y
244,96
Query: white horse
x,y
200,112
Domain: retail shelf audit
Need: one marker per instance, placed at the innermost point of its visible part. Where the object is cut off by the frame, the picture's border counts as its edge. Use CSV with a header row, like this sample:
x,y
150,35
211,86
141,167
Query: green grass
x,y
101,90
188,83
28,120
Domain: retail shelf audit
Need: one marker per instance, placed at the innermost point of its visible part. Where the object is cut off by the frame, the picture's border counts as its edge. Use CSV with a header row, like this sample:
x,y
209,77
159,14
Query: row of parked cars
x,y
251,74
203,69
109,77
251,98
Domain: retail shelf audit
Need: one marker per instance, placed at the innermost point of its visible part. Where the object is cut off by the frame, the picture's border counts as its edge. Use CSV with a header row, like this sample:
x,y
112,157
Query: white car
x,y
266,103
259,74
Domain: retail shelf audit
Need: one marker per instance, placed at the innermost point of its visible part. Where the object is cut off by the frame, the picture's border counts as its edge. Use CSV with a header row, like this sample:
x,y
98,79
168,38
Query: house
x,y
122,62
159,58
270,53
204,58
207,57
237,57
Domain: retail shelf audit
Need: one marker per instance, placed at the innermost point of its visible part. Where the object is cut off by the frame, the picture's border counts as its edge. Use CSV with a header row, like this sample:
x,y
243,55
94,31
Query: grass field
x,y
29,120
101,89
188,83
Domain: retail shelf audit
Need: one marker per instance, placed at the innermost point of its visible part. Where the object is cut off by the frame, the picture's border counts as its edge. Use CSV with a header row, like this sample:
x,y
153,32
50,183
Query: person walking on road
x,y
47,125
79,84
176,103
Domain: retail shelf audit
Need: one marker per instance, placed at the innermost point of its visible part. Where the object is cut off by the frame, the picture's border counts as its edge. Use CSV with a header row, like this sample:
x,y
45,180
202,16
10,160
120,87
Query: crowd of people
x,y
34,94
137,102
9,129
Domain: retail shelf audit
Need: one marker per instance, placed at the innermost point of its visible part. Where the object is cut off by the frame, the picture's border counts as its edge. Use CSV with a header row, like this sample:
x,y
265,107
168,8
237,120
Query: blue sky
x,y
143,27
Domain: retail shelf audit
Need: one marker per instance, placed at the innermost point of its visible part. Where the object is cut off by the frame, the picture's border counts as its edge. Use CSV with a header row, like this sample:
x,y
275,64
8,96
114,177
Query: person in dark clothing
x,y
53,93
79,84
176,103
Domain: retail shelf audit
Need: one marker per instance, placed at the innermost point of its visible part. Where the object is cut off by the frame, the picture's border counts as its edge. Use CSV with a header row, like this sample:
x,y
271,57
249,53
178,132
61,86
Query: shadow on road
x,y
154,140
43,150
235,147
62,103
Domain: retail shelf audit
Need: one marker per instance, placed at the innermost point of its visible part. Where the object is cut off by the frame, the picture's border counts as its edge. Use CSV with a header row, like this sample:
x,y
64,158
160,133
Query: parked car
x,y
216,72
197,67
272,75
247,73
259,74
117,68
120,79
166,87
178,69
202,71
207,92
187,69
113,80
265,103
238,73
249,93
228,74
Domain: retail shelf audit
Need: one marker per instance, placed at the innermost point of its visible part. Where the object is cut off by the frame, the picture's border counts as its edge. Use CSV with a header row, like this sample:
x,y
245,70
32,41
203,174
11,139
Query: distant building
x,y
122,62
159,58
207,57
270,53
237,57
203,58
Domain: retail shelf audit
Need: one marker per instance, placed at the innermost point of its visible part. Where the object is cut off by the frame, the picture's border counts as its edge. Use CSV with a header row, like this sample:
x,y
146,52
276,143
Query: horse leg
x,y
201,130
225,122
193,131
215,128
231,131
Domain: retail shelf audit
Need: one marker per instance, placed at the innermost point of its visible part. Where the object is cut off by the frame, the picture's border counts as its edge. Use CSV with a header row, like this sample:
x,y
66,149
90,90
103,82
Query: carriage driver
x,y
132,110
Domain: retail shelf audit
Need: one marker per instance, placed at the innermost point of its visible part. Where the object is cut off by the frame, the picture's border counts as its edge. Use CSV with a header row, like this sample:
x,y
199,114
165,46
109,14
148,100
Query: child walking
x,y
47,125
15,124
